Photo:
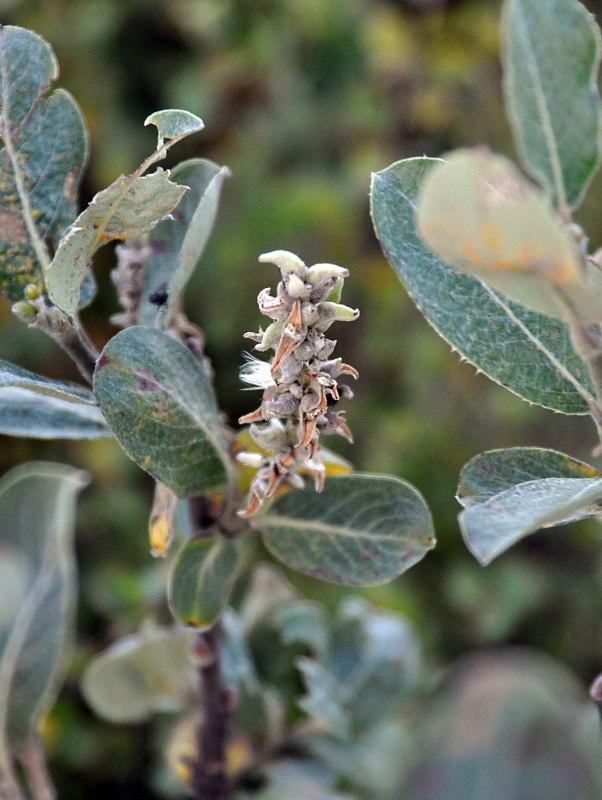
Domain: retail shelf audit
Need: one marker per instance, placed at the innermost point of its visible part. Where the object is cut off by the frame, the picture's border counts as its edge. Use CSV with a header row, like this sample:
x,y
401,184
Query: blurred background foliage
x,y
302,99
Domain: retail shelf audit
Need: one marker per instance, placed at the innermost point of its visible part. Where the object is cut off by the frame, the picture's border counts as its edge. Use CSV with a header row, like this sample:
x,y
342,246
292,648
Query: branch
x,y
209,779
34,766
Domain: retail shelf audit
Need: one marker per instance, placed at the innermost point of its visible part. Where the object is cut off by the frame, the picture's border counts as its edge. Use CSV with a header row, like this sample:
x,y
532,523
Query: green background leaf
x,y
149,672
34,406
496,470
37,504
551,56
160,405
201,579
177,244
360,530
468,315
41,163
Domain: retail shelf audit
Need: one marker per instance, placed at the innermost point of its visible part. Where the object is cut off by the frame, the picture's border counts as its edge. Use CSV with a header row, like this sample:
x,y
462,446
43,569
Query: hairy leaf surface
x,y
160,405
528,353
177,244
201,579
361,530
494,525
496,470
37,504
551,57
38,407
41,162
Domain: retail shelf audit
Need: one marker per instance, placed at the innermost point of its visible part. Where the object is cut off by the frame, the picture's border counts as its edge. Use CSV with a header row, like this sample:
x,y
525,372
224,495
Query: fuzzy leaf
x,y
304,622
201,580
361,530
528,353
41,163
127,208
177,244
173,123
551,57
160,405
37,504
478,213
496,470
38,407
325,697
494,525
140,675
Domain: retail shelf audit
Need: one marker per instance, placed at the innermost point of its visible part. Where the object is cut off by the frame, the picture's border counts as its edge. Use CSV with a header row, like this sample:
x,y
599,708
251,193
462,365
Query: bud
x,y
57,320
24,311
31,292
286,262
335,312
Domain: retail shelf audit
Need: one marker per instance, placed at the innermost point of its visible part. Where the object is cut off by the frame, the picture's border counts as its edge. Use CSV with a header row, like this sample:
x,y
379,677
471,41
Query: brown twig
x,y
209,779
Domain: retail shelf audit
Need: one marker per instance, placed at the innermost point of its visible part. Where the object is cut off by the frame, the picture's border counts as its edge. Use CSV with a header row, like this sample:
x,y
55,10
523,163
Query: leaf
x,y
477,212
297,779
160,405
527,353
161,521
551,57
492,472
304,622
41,163
177,244
201,580
34,406
127,208
529,741
173,123
493,526
325,697
141,675
376,658
361,530
37,503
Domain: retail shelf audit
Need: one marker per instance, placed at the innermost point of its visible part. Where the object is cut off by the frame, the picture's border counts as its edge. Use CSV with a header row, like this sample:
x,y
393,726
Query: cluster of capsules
x,y
299,384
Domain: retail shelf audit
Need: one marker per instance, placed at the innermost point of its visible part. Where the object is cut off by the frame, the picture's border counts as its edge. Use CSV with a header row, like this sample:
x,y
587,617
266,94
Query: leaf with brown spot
x,y
43,156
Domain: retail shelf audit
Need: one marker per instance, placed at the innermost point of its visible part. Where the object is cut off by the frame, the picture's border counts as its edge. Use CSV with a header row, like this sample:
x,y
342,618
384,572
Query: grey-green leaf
x,y
551,57
174,123
361,530
140,675
201,580
127,208
496,470
38,407
491,527
325,697
160,405
528,353
41,163
37,504
178,243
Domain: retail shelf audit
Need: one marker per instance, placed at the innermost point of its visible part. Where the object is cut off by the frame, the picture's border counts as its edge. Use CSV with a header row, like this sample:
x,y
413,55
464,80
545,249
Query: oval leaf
x,y
173,123
493,526
496,470
37,504
477,212
160,405
41,163
551,57
178,243
201,580
140,675
35,406
361,530
528,353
